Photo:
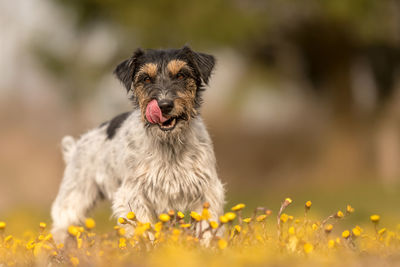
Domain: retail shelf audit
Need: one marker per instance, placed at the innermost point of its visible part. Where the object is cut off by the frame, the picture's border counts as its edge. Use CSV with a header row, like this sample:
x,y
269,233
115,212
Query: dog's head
x,y
166,85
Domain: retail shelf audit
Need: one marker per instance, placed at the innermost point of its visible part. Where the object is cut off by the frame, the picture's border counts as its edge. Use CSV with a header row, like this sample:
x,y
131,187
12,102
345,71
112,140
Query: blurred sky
x,y
304,92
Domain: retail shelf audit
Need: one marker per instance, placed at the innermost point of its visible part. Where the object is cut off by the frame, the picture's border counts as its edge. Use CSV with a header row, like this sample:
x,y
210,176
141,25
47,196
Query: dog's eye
x,y
147,79
180,76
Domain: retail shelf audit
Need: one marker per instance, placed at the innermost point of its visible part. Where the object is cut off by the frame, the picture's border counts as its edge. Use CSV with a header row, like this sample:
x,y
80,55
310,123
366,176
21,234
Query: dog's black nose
x,y
166,105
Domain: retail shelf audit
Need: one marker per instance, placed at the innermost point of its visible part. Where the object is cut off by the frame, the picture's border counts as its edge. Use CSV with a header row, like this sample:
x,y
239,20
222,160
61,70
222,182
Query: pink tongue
x,y
153,113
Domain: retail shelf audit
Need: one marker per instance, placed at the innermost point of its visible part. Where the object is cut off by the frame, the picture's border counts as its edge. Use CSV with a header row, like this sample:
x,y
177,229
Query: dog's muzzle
x,y
157,113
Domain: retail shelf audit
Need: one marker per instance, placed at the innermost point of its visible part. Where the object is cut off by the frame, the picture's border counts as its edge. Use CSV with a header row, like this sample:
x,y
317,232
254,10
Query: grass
x,y
298,232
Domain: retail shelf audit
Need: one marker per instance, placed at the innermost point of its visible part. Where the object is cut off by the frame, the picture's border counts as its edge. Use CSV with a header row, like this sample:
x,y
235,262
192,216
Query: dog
x,y
155,158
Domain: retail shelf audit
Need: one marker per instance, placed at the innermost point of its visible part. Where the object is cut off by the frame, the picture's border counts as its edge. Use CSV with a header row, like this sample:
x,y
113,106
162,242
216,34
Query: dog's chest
x,y
172,184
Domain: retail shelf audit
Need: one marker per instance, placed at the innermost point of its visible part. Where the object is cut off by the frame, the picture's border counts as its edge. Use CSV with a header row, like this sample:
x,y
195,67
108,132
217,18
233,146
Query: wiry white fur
x,y
142,168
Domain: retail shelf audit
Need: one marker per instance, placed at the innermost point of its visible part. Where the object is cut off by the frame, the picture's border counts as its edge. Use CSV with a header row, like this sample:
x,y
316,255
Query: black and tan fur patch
x,y
148,69
175,65
116,123
177,75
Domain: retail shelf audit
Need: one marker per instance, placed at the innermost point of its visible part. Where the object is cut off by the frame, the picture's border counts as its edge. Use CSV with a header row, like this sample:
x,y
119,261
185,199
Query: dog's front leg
x,y
77,195
214,197
128,198
203,229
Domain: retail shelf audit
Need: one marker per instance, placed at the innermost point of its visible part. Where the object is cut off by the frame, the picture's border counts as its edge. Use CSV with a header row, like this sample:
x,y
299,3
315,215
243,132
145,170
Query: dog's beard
x,y
173,136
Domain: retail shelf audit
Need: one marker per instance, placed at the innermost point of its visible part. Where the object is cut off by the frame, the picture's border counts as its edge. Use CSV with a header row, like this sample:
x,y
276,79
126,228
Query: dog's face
x,y
166,86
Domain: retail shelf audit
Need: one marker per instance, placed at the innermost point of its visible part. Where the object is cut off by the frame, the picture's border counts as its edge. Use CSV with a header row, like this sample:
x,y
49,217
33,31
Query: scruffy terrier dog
x,y
153,159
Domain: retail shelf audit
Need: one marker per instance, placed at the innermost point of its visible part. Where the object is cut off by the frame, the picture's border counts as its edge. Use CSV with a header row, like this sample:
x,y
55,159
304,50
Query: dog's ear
x,y
126,69
203,63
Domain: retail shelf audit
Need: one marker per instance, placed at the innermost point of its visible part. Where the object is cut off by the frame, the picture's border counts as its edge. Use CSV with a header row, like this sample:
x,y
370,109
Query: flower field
x,y
263,238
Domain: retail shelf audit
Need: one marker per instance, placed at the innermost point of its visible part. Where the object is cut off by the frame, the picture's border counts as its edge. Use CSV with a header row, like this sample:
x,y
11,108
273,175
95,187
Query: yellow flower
x,y
171,213
121,231
223,219
142,228
222,244
382,231
122,220
356,231
328,228
48,237
308,204
122,243
292,230
195,216
308,248
180,215
288,200
185,225
230,216
3,225
247,220
331,243
213,225
158,226
238,207
346,234
238,228
176,232
131,216
146,226
79,242
38,249
314,226
349,209
260,218
8,238
339,214
74,261
259,238
284,217
73,230
42,225
90,223
175,235
375,218
30,245
205,214
164,217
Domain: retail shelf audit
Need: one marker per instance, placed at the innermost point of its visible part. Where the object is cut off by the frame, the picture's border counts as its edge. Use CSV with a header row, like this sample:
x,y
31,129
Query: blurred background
x,y
304,101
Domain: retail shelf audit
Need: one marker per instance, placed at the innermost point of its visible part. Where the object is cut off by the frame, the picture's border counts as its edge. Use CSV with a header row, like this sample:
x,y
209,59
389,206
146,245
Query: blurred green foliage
x,y
323,33
225,22
172,23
